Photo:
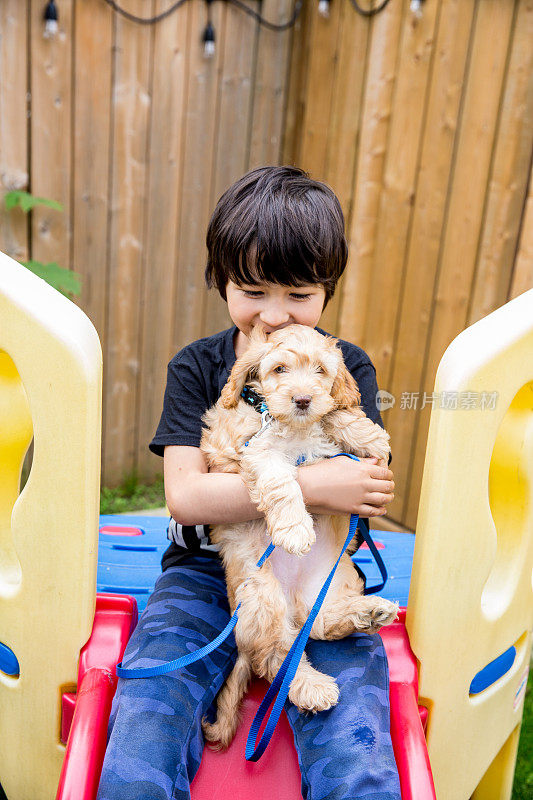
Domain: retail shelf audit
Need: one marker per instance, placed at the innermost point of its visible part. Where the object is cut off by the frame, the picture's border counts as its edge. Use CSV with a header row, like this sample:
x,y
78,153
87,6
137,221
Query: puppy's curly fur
x,y
315,405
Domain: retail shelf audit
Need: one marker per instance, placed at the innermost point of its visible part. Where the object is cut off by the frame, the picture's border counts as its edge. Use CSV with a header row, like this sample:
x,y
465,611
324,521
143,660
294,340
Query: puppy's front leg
x,y
271,481
356,433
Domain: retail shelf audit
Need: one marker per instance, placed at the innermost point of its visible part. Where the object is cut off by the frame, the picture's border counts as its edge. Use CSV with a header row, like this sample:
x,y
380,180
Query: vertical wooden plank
x,y
322,70
509,174
93,37
346,111
196,202
270,85
157,308
347,104
523,266
14,56
297,87
373,134
399,183
51,134
460,241
131,102
421,269
231,147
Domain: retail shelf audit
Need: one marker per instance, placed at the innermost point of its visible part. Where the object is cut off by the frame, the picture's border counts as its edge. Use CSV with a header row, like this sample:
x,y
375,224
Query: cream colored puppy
x,y
315,412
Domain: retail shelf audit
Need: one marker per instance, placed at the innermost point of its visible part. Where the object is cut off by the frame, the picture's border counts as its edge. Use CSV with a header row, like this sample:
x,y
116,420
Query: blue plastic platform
x,y
396,550
130,564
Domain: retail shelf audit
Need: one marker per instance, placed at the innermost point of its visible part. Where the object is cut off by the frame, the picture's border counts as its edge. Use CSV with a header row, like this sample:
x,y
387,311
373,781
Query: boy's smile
x,y
272,307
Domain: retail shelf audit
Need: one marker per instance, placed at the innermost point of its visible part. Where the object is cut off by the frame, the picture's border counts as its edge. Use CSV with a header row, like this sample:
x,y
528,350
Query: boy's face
x,y
272,307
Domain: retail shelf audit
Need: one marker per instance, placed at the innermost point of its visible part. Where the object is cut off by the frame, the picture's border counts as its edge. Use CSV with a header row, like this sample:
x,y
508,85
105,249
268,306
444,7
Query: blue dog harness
x,y
279,688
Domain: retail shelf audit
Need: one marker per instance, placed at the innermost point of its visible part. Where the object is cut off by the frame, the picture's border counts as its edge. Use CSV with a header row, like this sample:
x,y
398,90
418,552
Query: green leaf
x,y
27,201
64,280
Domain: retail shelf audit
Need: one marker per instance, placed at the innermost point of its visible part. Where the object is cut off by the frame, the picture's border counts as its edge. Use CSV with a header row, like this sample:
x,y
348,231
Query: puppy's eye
x,y
320,369
280,368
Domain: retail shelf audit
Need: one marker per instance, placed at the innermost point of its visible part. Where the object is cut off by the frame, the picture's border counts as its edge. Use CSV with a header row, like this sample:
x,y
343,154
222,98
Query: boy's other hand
x,y
344,486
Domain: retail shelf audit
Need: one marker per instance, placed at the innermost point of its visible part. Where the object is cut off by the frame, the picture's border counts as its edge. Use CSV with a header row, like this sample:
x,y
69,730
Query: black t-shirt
x,y
195,378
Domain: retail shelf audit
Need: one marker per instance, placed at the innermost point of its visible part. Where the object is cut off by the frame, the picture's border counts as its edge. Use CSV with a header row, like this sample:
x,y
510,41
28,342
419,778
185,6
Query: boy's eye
x,y
280,368
258,293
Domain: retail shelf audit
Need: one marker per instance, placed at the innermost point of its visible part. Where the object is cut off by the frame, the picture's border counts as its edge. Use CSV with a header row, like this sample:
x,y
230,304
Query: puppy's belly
x,y
305,575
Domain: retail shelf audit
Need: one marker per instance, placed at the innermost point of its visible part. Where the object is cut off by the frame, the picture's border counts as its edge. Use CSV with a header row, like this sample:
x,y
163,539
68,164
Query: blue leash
x,y
196,655
279,688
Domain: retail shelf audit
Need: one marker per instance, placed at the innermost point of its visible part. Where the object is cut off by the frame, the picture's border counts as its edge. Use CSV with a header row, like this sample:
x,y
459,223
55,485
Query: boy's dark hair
x,y
276,225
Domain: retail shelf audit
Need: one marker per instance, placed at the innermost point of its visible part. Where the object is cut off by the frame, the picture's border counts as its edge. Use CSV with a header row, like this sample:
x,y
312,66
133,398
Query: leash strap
x,y
365,533
279,689
189,658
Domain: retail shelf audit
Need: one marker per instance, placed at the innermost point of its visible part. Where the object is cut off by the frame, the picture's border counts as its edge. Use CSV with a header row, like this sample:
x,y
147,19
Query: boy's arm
x,y
195,496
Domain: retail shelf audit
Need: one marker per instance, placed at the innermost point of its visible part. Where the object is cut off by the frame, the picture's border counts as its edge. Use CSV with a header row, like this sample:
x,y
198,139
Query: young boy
x,y
276,249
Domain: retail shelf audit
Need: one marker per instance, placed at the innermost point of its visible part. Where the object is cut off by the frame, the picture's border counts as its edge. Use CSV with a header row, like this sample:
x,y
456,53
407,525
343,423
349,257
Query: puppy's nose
x,y
302,401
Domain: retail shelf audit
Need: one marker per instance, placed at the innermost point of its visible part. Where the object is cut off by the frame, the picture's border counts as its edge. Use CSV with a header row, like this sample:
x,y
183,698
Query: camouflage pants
x,y
155,739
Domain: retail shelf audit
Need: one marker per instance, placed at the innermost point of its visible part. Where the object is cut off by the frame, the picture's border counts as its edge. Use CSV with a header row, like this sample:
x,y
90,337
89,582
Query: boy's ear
x,y
245,366
344,390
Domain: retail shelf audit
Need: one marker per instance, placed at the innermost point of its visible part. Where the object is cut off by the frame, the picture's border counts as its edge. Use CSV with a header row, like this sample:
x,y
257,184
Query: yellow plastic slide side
x,y
51,388
471,593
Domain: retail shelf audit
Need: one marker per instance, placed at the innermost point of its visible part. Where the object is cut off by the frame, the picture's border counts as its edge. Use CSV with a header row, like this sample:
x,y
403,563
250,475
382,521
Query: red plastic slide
x,y
114,620
227,775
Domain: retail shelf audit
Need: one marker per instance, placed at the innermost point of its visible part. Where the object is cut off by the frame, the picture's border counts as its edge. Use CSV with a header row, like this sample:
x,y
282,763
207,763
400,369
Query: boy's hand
x,y
343,486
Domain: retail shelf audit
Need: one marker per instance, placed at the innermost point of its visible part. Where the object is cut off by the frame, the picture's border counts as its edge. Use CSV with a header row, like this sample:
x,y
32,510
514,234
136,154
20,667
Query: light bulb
x,y
209,40
323,8
50,18
416,8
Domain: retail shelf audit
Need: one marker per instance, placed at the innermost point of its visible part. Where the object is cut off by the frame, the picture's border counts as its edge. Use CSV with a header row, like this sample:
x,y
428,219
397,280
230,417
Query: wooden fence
x,y
423,127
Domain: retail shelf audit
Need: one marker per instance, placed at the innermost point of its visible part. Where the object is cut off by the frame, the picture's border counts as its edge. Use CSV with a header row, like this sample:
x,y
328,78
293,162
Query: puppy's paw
x,y
372,613
296,539
218,736
314,693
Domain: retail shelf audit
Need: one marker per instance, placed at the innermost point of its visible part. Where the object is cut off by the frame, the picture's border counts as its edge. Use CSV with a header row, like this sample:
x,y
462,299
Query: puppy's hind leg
x,y
347,610
266,631
229,699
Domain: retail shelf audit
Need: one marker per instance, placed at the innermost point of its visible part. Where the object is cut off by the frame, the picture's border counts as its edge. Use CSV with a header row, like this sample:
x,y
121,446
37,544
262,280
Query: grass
x,y
523,779
134,496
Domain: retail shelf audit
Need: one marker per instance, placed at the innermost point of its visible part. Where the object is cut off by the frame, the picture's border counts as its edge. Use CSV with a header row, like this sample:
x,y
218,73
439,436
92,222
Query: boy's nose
x,y
272,316
302,401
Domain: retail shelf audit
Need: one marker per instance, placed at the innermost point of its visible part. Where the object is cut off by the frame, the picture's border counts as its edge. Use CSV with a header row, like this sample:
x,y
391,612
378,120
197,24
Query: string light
x,y
50,19
262,21
208,36
371,11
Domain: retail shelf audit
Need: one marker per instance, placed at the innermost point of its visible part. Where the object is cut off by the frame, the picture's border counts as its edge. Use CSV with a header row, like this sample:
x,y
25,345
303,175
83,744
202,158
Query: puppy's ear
x,y
344,389
244,366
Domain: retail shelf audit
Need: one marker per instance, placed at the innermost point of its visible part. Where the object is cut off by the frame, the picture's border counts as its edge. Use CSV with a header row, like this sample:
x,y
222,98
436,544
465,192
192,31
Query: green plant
x,y
523,779
64,280
132,496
